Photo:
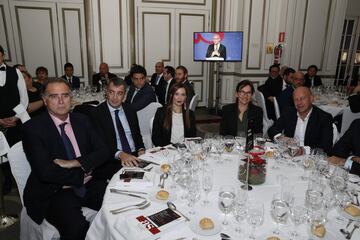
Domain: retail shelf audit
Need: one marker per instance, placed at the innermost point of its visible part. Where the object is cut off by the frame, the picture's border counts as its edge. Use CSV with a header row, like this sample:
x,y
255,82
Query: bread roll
x,y
162,195
319,230
206,224
272,238
352,210
165,168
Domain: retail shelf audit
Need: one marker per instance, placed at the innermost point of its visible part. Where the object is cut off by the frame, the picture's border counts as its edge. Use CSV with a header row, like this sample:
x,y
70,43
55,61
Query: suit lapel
x,y
107,123
54,135
292,124
311,125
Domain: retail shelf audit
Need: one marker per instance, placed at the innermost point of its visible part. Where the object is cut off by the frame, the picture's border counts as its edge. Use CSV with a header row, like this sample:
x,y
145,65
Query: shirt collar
x,y
307,116
58,121
3,65
112,109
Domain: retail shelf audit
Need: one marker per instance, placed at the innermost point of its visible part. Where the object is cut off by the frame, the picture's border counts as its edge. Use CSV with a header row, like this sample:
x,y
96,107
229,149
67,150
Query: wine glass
x,y
240,146
229,143
240,213
226,200
298,215
193,194
307,163
207,183
279,211
206,148
255,216
219,147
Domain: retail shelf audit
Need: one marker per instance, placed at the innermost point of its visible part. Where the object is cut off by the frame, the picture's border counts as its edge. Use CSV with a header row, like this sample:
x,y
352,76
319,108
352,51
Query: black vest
x,y
9,94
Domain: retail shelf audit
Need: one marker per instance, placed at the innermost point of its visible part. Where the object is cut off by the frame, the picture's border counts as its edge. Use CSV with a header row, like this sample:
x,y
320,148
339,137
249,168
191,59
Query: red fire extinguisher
x,y
277,54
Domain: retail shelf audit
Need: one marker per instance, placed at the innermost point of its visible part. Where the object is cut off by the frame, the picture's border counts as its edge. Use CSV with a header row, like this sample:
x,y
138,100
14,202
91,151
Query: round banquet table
x,y
107,226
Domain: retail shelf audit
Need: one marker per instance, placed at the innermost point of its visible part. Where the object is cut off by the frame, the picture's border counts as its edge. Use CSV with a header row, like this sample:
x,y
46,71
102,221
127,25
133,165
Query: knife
x,y
131,195
113,190
150,161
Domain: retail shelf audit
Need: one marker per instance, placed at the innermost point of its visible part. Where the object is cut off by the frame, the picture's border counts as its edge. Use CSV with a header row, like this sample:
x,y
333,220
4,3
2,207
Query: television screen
x,y
218,46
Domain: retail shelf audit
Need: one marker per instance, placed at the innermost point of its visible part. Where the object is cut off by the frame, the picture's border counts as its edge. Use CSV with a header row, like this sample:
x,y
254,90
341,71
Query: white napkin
x,y
21,113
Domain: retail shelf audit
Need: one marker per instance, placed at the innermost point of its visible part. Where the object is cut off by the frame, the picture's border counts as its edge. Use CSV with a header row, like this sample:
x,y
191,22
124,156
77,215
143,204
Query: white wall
x,y
353,8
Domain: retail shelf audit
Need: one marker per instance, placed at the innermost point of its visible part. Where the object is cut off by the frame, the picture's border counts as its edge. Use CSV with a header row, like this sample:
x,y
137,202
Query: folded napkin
x,y
21,113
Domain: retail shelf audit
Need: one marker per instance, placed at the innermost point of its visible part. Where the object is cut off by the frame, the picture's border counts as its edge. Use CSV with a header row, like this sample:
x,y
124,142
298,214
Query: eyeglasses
x,y
55,97
243,93
118,94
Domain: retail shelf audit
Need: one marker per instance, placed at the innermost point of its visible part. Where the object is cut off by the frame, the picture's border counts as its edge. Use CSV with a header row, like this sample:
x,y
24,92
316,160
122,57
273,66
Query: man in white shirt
x,y
307,123
13,103
169,75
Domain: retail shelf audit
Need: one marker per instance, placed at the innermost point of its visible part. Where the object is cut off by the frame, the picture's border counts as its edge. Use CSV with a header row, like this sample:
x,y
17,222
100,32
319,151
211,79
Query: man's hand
x,y
356,159
215,53
67,163
336,160
141,152
128,160
8,122
271,98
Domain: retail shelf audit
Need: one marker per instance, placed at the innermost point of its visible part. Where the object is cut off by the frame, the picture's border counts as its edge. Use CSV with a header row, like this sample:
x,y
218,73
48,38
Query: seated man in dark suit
x,y
311,79
285,98
118,126
165,86
346,151
69,76
140,92
101,79
272,87
62,158
157,75
182,77
307,123
216,49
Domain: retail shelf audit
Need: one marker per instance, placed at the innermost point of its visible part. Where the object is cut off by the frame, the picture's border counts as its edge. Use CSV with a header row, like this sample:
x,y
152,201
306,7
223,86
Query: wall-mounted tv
x,y
218,46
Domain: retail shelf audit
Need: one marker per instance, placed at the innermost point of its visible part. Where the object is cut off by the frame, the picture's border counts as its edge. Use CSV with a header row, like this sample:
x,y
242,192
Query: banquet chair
x,y
277,108
144,115
20,169
194,102
347,118
335,134
267,123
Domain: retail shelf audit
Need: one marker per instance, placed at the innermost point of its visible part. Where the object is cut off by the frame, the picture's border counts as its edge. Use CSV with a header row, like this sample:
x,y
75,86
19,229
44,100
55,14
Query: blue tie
x,y
124,142
70,153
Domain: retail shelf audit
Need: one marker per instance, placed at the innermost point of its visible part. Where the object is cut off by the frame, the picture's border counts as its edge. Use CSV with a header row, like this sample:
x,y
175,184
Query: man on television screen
x,y
216,49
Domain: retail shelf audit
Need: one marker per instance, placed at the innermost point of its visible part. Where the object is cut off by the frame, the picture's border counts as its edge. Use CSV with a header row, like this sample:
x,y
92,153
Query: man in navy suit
x,y
216,49
63,149
69,76
305,122
140,93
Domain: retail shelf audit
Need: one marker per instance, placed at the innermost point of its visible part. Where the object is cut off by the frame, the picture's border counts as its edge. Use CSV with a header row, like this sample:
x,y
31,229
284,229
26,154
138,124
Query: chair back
x,y
277,109
335,134
151,125
347,118
20,167
194,102
267,123
144,115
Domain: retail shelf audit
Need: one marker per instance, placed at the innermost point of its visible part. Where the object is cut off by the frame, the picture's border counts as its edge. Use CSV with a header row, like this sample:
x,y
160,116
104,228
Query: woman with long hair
x,y
235,116
173,122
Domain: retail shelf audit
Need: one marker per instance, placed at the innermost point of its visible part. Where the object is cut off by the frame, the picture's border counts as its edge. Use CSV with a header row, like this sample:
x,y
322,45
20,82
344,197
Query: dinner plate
x,y
354,178
282,236
172,196
195,224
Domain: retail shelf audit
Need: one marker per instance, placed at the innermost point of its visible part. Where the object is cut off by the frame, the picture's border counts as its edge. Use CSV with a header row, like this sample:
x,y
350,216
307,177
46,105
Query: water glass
x,y
207,183
298,215
279,211
193,194
255,216
226,200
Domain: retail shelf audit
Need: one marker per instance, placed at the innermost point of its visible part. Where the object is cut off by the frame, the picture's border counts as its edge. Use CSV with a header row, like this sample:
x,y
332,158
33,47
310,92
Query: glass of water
x,y
255,216
279,211
226,200
207,183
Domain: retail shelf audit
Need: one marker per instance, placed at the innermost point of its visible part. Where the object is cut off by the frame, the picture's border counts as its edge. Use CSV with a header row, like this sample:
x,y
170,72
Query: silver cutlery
x,y
128,194
163,180
173,207
224,236
129,206
133,208
356,226
139,169
344,231
113,190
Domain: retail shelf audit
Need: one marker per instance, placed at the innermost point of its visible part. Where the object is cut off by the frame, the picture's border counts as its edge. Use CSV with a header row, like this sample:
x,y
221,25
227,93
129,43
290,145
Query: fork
x,y
132,208
134,205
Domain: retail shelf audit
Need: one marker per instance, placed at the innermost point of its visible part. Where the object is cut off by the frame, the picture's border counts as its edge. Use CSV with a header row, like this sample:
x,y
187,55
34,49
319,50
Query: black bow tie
x,y
2,68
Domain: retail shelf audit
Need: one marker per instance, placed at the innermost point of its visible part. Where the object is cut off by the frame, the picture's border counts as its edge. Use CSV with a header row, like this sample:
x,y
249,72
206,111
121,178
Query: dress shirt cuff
x,y
307,150
277,136
348,163
21,113
117,155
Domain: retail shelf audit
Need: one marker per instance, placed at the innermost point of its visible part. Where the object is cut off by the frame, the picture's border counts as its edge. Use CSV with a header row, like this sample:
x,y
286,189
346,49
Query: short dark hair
x,y
313,66
116,81
183,68
274,66
245,83
41,69
138,69
288,71
55,80
66,65
170,70
2,50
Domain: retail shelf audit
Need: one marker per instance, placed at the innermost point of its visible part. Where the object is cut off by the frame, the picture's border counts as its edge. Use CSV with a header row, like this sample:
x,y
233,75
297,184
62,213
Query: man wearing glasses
x,y
63,149
216,49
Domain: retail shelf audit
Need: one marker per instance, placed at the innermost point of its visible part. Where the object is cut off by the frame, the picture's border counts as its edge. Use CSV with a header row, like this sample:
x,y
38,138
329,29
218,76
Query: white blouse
x,y
177,128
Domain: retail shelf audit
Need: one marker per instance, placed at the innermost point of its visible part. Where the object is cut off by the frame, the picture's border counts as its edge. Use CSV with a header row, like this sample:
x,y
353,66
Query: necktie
x,y
124,142
70,152
2,68
69,79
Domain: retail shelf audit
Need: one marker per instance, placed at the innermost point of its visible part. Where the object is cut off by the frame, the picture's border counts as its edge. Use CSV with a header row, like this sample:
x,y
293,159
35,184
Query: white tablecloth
x,y
105,225
334,110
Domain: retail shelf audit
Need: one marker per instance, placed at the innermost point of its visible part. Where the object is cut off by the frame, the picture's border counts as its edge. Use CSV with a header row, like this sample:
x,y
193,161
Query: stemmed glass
x,y
229,143
184,178
298,215
193,194
206,148
307,163
226,200
255,216
174,168
279,211
240,209
207,183
240,146
219,146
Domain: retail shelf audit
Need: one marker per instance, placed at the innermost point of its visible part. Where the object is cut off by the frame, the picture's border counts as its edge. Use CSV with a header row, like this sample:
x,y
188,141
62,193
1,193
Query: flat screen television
x,y
218,46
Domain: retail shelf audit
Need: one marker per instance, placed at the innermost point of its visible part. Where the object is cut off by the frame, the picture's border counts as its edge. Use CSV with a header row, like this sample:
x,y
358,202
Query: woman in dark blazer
x,y
172,123
235,116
